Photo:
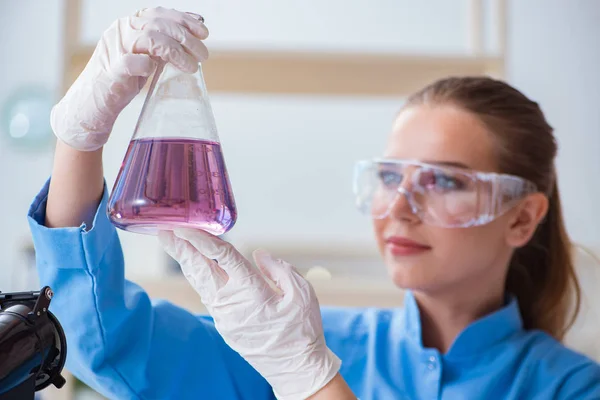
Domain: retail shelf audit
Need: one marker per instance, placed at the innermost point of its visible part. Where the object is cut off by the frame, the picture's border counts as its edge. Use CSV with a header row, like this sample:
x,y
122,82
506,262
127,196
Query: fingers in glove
x,y
278,271
291,284
159,45
193,24
190,43
201,272
228,258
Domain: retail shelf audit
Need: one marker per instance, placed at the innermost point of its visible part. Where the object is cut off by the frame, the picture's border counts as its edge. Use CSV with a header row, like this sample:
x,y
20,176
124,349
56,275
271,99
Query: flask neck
x,y
177,106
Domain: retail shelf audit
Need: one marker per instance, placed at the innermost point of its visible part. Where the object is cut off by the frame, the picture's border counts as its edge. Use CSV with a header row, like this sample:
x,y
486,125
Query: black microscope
x,y
33,347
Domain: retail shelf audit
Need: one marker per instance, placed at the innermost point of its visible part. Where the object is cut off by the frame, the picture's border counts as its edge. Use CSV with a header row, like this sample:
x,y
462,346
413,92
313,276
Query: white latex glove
x,y
276,329
122,62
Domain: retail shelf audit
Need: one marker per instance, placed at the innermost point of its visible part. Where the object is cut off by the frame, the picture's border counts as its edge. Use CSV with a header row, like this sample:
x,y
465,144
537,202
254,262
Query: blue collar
x,y
475,338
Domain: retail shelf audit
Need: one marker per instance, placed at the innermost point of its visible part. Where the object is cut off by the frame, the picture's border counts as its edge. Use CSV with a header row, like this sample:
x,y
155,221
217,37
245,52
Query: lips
x,y
402,246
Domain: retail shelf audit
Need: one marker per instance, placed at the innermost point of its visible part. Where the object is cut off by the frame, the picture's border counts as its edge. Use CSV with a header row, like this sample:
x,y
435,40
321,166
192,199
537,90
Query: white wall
x,y
430,26
548,40
30,49
553,56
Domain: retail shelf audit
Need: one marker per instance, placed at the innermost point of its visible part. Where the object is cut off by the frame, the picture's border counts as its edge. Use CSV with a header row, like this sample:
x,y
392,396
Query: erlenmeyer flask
x,y
174,174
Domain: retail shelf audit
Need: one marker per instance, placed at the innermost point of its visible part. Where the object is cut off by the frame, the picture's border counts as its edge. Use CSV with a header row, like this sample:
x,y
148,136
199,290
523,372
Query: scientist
x,y
466,213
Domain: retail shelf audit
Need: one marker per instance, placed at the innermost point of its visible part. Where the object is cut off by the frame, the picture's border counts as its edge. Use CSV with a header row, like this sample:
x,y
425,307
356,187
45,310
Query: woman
x,y
466,213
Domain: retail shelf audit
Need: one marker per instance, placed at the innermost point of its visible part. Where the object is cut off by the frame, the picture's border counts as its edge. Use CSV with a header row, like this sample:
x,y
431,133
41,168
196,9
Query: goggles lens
x,y
443,196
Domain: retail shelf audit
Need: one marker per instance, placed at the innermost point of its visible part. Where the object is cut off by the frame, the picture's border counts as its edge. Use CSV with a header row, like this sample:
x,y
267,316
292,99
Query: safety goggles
x,y
443,196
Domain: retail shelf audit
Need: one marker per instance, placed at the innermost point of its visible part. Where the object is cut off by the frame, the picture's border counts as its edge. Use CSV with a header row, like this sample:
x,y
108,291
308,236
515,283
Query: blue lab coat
x,y
127,346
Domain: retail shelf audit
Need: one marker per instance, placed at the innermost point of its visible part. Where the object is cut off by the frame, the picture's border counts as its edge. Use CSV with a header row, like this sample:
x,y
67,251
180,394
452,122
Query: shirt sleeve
x,y
119,342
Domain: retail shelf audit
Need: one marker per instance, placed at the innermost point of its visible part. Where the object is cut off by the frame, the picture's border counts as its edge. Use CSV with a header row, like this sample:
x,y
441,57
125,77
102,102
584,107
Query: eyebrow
x,y
455,164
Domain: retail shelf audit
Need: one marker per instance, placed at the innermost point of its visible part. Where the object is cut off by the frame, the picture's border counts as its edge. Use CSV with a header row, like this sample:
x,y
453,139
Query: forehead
x,y
443,134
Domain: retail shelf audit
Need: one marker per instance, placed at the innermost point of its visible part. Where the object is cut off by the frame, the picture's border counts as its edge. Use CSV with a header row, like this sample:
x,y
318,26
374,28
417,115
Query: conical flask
x,y
174,174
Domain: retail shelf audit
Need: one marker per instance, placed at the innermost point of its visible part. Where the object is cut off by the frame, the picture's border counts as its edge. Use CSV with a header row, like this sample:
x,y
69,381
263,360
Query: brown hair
x,y
541,274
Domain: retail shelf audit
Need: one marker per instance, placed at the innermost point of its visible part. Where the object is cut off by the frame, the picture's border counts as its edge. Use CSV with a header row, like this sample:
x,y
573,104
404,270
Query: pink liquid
x,y
170,182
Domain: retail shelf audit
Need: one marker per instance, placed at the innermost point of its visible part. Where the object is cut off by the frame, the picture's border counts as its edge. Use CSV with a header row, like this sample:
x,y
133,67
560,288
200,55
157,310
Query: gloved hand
x,y
122,62
274,323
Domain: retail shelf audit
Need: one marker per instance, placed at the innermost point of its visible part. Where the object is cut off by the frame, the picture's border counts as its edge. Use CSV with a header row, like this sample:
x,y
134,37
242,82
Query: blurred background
x,y
300,91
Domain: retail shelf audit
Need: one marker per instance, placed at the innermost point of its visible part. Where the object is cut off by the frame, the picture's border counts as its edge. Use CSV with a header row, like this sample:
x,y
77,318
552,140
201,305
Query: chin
x,y
410,274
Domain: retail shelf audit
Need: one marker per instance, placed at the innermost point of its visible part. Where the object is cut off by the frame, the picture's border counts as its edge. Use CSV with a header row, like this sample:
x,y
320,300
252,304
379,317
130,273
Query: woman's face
x,y
449,258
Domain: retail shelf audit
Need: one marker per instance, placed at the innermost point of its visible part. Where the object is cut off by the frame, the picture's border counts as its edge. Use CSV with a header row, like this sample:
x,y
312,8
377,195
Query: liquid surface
x,y
166,183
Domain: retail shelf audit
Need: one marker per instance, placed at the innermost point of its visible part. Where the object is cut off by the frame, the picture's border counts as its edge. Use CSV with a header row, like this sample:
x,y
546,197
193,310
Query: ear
x,y
524,221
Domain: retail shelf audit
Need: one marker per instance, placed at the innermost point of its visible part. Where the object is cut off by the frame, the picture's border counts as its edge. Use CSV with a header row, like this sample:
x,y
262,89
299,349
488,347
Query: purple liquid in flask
x,y
173,174
166,183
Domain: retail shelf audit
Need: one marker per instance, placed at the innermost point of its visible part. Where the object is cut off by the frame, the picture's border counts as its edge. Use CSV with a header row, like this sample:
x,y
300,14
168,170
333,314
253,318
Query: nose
x,y
402,206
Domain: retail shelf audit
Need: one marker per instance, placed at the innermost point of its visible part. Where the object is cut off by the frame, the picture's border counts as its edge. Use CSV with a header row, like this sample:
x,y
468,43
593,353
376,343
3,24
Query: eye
x,y
390,178
448,182
441,181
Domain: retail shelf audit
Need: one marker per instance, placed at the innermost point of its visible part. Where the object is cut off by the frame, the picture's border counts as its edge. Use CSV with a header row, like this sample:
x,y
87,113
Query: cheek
x,y
379,229
469,250
458,244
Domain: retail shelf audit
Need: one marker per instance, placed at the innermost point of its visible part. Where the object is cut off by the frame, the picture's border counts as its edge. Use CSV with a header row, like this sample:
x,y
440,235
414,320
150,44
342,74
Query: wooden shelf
x,y
315,73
